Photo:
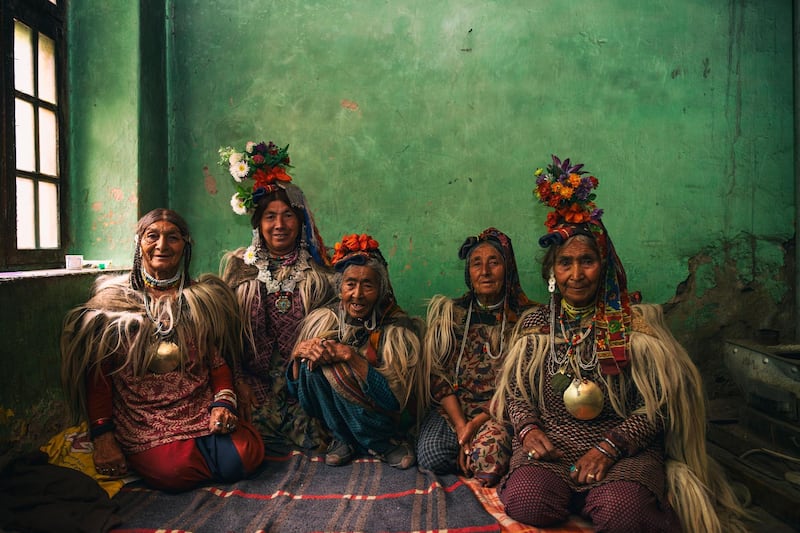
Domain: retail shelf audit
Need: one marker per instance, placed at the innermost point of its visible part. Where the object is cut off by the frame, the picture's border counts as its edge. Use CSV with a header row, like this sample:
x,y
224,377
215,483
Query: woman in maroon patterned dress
x,y
607,407
282,276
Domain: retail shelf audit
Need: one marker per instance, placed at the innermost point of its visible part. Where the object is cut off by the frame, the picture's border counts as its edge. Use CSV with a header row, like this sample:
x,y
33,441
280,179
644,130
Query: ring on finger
x,y
218,424
532,454
589,476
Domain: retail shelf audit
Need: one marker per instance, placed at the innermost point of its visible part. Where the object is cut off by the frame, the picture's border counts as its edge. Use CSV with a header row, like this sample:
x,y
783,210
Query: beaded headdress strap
x,y
567,189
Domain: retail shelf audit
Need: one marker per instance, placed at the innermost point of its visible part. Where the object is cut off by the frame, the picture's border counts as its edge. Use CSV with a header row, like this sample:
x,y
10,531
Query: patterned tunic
x,y
157,409
640,442
472,380
278,417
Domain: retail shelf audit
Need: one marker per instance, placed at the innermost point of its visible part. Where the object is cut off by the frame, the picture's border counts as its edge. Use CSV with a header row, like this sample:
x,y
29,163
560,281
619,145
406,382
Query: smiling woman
x,y
282,276
145,352
355,362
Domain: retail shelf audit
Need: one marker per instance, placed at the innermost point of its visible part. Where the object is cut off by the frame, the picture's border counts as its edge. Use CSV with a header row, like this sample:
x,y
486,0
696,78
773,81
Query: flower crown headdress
x,y
568,190
355,249
264,163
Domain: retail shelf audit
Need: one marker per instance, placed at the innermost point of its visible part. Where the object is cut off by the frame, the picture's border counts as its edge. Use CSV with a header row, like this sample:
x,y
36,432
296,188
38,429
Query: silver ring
x,y
589,476
532,455
218,424
230,426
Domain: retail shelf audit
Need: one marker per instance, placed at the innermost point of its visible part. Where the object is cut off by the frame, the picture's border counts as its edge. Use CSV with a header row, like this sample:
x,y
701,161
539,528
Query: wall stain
x,y
210,182
349,104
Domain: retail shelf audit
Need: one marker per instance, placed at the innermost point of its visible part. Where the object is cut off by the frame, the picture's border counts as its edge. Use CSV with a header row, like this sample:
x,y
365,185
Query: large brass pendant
x,y
583,399
166,359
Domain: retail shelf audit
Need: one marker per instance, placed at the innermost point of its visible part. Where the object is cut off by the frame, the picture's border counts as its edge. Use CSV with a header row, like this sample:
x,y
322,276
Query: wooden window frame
x,y
43,17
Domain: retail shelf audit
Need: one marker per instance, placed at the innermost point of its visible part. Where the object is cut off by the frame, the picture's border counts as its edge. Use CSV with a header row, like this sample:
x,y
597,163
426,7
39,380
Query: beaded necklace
x,y
161,284
487,349
166,355
573,360
285,283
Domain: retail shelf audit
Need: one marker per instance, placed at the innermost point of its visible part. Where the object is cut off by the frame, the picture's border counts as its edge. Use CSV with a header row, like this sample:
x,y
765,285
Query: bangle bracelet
x,y
613,446
524,431
605,452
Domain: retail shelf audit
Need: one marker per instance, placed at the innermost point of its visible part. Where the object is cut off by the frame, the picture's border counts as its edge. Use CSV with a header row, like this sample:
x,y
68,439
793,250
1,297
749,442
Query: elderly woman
x,y
355,361
282,276
466,342
148,361
607,407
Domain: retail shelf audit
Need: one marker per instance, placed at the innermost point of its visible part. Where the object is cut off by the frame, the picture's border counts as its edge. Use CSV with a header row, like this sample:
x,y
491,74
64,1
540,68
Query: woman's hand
x,y
316,352
539,446
591,467
246,400
108,457
222,421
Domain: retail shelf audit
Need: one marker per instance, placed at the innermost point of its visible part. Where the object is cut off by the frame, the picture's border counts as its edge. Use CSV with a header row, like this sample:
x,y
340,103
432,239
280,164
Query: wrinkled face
x,y
162,249
577,271
279,227
360,291
487,273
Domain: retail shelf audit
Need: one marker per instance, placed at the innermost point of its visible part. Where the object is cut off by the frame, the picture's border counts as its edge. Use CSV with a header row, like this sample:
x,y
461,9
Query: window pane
x,y
48,215
23,58
26,229
26,156
47,69
48,143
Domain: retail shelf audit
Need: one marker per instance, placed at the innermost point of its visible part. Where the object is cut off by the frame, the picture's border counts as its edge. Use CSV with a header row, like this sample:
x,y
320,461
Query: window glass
x,y
26,224
26,153
47,69
23,58
48,215
48,143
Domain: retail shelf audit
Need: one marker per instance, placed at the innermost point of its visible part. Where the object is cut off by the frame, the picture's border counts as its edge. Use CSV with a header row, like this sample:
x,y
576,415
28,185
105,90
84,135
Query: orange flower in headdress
x,y
352,244
565,188
264,177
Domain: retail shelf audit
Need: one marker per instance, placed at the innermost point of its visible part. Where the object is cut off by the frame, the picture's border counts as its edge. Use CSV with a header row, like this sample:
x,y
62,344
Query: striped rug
x,y
296,493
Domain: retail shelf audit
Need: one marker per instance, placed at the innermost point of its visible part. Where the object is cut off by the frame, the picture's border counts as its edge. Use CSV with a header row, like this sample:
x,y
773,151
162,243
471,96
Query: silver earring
x,y
551,283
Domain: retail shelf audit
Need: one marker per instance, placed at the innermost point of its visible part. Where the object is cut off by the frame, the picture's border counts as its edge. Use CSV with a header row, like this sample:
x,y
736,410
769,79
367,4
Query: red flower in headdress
x,y
352,244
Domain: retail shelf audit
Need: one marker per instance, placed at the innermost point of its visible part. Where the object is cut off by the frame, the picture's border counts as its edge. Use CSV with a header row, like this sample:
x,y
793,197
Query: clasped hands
x,y
319,351
589,468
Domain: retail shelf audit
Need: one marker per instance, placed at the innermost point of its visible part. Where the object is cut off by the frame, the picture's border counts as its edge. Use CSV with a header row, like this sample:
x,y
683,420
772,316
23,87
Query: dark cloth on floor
x,y
39,497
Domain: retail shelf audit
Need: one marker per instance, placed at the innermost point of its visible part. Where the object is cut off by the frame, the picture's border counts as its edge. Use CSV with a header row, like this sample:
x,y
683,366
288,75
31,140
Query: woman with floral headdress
x,y
147,360
607,408
466,341
282,276
354,365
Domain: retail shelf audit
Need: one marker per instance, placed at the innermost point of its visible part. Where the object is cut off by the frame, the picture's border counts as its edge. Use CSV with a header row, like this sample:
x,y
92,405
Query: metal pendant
x,y
284,302
166,358
583,399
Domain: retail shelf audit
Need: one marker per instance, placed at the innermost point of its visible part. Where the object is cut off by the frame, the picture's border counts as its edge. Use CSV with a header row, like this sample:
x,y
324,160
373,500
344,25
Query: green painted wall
x,y
422,122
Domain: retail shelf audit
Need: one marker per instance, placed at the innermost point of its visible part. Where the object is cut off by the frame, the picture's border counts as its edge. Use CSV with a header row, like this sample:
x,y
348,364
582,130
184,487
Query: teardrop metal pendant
x,y
583,399
166,358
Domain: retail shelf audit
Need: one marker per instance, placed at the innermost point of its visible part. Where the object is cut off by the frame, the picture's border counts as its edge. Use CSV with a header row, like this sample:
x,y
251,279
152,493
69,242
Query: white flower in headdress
x,y
237,204
235,157
250,255
239,170
249,147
